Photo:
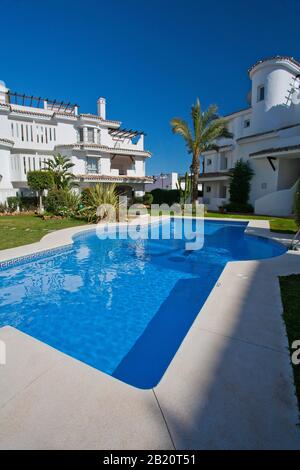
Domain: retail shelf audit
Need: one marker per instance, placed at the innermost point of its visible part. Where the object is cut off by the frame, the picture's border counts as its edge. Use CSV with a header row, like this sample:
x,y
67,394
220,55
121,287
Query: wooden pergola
x,y
124,133
38,102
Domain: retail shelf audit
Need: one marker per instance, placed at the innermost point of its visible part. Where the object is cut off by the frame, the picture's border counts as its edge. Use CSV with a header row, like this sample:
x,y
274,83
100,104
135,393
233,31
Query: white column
x,y
85,137
95,135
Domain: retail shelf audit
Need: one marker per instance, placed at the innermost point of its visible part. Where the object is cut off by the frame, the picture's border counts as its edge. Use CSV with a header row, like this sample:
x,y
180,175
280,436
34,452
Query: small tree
x,y
239,189
39,181
60,166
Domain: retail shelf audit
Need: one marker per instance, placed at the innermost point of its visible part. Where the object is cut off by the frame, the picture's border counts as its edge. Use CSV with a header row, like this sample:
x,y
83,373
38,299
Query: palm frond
x,y
211,114
215,129
197,120
179,126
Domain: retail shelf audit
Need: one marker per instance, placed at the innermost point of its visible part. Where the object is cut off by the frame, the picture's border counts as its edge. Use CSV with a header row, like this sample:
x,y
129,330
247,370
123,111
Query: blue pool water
x,y
122,306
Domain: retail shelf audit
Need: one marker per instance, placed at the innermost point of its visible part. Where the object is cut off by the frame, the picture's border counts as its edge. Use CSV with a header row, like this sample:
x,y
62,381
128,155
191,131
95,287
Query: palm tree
x,y
60,167
207,127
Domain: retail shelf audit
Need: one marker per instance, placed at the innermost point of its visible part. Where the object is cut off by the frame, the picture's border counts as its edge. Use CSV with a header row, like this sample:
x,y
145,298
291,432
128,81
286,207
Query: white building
x,y
168,181
33,129
164,181
267,134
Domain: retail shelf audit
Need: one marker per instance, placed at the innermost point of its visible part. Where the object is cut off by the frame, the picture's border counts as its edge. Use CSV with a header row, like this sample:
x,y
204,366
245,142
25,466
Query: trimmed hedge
x,y
165,196
24,203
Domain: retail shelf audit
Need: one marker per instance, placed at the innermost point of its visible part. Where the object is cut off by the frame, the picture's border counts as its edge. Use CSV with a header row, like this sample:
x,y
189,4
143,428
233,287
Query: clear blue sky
x,y
149,58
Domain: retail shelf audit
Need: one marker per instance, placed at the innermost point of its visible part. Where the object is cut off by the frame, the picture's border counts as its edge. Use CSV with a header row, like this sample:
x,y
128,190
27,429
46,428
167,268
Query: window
x,y
247,123
263,185
223,161
90,134
208,189
260,93
91,165
80,134
208,161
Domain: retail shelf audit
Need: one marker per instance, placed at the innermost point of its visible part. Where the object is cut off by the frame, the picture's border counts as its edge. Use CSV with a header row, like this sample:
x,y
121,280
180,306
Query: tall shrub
x,y
240,185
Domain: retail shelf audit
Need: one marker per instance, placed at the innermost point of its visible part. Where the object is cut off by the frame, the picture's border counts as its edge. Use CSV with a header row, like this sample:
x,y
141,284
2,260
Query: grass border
x,y
290,296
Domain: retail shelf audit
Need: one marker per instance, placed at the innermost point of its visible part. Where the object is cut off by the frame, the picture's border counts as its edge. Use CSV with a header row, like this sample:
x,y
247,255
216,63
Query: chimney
x,y
101,106
3,92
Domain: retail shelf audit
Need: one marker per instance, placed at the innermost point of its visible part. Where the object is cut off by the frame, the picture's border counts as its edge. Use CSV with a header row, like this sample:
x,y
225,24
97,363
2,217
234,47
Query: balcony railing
x,y
20,165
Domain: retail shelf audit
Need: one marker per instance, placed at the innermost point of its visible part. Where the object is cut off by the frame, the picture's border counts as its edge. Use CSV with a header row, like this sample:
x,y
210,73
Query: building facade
x,y
267,134
164,181
33,129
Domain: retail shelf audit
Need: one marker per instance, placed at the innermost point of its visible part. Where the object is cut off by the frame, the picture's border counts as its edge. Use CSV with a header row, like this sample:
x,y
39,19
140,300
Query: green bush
x,y
297,205
28,203
24,203
165,196
148,199
62,202
238,207
138,200
3,208
94,200
13,203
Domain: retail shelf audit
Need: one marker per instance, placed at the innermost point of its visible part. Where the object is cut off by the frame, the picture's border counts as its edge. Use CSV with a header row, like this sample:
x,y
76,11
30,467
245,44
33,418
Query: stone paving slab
x,y
61,403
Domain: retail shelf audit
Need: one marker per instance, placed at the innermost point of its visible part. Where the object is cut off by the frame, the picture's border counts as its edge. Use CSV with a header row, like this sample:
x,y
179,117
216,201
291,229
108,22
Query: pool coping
x,y
187,409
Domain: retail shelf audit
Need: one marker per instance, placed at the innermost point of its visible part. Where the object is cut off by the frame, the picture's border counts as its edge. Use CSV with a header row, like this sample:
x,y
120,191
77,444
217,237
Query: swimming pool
x,y
122,306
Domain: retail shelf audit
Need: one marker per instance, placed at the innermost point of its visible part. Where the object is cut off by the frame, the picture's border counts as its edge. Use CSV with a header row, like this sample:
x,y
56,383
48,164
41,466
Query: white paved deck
x,y
229,386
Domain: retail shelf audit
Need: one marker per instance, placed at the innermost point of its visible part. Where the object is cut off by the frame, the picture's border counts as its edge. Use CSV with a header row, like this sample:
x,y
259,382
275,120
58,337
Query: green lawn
x,y
277,224
290,293
23,229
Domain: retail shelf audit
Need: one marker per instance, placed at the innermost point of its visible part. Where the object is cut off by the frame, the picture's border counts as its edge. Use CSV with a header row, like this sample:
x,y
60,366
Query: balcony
x,y
20,165
33,136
